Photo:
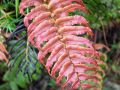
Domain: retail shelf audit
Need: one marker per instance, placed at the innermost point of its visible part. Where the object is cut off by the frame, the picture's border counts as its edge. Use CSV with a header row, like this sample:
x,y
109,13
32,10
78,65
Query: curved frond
x,y
23,55
63,48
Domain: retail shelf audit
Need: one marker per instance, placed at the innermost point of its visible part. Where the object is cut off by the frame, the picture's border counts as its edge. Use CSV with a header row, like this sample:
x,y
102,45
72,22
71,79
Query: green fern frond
x,y
23,55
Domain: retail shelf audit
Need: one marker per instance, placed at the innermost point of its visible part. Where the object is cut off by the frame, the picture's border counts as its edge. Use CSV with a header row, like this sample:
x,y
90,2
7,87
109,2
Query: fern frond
x,y
4,55
63,48
23,55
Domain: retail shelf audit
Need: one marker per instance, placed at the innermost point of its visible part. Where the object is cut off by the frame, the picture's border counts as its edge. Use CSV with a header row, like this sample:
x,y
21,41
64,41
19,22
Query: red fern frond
x,y
60,37
3,53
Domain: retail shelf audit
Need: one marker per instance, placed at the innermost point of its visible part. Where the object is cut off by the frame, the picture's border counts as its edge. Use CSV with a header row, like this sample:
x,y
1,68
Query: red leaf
x,y
63,49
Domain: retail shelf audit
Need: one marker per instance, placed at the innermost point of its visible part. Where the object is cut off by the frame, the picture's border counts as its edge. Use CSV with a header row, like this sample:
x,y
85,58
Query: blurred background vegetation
x,y
24,72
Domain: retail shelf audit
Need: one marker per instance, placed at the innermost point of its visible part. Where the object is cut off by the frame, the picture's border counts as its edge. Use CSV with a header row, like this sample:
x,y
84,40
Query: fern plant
x,y
4,55
23,64
25,59
64,49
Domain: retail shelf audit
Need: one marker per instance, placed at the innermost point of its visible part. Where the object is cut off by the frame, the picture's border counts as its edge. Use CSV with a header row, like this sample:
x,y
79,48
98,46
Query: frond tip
x,y
72,59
